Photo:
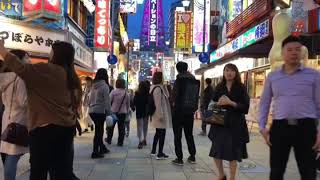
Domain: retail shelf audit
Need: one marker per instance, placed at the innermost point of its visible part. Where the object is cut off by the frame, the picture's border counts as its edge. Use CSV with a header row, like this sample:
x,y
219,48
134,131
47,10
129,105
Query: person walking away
x,y
99,109
295,113
185,97
140,102
85,118
120,106
229,140
161,119
14,96
205,100
54,93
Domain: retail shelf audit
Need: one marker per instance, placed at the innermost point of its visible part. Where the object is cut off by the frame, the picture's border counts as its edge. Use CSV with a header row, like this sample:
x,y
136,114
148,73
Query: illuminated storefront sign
x,y
46,9
198,25
183,31
28,38
102,23
128,6
235,8
248,38
11,7
153,21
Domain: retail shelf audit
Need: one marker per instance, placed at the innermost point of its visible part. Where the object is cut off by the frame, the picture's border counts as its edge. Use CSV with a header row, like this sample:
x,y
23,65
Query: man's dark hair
x,y
157,78
182,67
208,81
291,39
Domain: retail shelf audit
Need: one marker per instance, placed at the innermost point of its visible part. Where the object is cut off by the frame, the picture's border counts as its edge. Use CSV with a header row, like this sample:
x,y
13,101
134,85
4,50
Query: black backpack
x,y
151,107
188,97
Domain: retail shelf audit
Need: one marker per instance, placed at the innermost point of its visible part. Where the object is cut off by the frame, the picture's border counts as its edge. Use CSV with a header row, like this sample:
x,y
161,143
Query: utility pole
x,y
204,25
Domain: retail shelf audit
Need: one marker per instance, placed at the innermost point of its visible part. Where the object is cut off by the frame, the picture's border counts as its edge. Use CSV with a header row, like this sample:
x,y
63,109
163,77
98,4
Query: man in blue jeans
x,y
295,91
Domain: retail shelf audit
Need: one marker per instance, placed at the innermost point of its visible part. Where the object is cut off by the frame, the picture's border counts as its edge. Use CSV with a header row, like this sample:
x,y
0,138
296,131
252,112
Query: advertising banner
x,y
183,31
102,23
52,6
153,21
198,25
11,7
128,6
31,6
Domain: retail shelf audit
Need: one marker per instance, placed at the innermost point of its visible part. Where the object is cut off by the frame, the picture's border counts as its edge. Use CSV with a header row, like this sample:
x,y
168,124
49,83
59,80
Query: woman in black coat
x,y
140,101
229,141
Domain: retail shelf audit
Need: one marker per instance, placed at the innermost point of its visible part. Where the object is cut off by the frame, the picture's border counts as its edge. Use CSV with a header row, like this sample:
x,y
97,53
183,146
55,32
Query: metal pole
x,y
112,38
128,65
204,25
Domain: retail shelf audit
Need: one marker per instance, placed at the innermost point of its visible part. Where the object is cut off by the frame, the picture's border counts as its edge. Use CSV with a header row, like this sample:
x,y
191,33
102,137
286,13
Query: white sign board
x,y
29,38
76,32
82,54
128,6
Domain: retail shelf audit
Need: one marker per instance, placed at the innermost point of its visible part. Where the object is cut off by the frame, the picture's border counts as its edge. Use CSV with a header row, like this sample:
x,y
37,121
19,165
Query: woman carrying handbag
x,y
120,104
14,96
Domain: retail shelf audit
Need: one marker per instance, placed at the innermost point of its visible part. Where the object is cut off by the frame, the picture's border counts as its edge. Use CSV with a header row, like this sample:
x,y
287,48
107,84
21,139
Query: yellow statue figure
x,y
281,30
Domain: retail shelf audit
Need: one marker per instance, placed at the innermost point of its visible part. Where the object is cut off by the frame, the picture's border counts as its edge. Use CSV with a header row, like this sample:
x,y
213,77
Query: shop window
x,y
73,9
83,17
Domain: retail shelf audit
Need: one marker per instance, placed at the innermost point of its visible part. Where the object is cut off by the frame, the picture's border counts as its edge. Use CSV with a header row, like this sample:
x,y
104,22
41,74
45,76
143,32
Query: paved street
x,y
129,163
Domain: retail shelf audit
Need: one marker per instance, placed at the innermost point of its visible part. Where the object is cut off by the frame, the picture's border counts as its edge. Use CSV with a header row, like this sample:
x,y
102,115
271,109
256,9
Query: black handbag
x,y
15,133
216,116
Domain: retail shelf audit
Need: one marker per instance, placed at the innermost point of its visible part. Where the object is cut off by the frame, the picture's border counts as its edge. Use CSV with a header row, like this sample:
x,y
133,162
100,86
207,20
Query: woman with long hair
x,y
161,119
99,108
229,141
54,95
14,97
120,104
140,102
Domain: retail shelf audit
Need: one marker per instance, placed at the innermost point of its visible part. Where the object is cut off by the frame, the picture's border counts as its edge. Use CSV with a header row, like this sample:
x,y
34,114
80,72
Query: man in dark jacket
x,y
182,118
205,100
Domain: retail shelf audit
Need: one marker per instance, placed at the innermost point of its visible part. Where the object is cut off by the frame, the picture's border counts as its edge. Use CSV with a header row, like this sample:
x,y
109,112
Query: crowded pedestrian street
x,y
130,163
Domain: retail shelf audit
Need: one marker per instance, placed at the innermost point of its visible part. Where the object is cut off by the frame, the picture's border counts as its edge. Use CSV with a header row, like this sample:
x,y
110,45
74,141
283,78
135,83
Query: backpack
x,y
188,95
151,107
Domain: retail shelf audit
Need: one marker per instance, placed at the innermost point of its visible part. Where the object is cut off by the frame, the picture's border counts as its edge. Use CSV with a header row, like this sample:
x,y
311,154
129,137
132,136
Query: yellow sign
x,y
183,31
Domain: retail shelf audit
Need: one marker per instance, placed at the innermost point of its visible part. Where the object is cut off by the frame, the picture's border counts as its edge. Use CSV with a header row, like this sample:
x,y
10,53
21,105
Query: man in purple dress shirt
x,y
295,92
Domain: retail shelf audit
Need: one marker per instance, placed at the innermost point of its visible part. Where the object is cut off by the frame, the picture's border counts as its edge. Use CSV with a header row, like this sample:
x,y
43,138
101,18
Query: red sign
x,y
53,6
101,30
32,5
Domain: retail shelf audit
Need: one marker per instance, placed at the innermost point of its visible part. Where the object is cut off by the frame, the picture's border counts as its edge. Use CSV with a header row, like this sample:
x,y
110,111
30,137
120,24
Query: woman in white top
x,y
14,97
161,119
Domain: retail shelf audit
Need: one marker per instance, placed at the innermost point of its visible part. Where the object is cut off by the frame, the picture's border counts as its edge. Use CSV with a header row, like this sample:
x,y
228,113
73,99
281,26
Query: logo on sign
x,y
53,2
33,2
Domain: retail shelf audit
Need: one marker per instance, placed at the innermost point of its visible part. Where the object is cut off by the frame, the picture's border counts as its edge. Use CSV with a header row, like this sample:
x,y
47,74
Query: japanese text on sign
x,y
11,7
102,24
153,21
183,31
28,38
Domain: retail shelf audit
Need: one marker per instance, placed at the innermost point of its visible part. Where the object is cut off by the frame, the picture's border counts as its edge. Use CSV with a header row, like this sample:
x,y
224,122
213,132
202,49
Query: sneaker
x,y
162,156
153,154
192,160
178,162
96,155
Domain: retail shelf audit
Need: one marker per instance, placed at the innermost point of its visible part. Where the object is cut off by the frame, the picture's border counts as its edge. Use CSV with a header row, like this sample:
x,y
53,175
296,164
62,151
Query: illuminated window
x,y
73,9
83,17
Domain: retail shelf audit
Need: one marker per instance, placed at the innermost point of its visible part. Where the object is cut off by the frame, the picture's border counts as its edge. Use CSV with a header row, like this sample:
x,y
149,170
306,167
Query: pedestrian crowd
x,y
43,105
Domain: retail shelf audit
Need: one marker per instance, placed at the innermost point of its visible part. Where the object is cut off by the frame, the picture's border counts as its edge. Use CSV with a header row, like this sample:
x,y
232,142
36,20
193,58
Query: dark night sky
x,y
134,21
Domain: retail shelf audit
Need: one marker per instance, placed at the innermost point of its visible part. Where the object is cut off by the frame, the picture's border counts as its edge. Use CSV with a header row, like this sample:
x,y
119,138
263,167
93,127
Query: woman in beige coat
x,y
161,119
14,96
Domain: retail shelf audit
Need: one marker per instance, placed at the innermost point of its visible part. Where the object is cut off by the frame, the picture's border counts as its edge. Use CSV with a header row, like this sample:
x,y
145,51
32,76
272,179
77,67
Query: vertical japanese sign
x,y
183,31
153,22
102,23
11,7
198,25
128,6
235,8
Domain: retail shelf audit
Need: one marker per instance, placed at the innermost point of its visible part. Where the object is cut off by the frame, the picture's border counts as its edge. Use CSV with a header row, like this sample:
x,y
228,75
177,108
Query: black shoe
x,y
162,156
96,155
192,159
140,146
178,162
85,130
120,144
107,141
144,142
92,128
104,150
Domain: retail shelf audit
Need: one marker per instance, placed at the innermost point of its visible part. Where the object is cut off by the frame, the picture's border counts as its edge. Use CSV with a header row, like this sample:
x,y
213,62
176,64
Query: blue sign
x,y
112,59
11,7
204,57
